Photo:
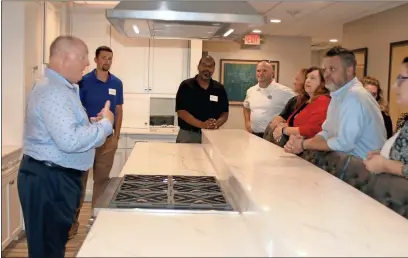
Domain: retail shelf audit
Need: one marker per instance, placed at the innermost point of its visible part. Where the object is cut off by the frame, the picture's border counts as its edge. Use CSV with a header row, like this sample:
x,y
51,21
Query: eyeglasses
x,y
400,79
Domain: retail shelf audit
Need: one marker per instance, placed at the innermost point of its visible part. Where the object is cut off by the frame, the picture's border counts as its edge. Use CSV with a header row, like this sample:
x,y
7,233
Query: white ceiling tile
x,y
320,20
263,7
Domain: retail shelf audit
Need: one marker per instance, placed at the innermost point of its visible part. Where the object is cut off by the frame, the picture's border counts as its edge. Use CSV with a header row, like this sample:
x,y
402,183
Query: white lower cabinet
x,y
11,213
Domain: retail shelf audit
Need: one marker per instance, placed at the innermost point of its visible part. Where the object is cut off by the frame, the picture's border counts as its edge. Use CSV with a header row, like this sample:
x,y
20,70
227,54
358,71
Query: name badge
x,y
214,98
112,92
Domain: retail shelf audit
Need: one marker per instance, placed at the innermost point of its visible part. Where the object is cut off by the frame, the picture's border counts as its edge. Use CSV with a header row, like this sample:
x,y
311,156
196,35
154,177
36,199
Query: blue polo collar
x,y
96,78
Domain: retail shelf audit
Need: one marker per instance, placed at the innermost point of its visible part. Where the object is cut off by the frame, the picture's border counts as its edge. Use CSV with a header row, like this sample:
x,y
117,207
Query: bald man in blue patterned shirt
x,y
59,146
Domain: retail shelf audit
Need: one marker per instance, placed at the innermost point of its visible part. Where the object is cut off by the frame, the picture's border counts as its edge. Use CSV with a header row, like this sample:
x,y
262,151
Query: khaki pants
x,y
103,163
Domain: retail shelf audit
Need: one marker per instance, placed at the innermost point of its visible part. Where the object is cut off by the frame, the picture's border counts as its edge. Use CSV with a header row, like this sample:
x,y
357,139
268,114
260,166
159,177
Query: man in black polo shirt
x,y
201,103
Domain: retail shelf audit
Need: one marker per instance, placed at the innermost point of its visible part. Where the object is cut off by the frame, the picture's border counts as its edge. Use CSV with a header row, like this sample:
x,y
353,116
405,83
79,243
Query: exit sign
x,y
252,39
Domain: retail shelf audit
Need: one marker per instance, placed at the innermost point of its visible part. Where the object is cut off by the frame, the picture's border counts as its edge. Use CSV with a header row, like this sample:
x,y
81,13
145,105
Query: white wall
x,y
12,71
23,45
34,31
317,57
52,26
293,53
376,32
65,12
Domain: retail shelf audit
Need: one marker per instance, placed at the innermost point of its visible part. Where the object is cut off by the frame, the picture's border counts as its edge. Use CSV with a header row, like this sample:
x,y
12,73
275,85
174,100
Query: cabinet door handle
x,y
11,182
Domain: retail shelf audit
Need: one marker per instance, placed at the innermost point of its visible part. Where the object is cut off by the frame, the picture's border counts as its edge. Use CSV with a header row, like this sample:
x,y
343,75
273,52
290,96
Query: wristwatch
x,y
302,144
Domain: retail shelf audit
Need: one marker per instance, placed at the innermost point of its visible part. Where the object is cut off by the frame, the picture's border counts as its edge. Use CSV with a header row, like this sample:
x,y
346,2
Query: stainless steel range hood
x,y
185,19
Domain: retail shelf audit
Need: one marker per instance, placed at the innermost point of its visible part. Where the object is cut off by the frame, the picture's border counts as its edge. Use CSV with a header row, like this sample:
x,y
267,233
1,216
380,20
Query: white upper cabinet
x,y
148,66
168,65
130,62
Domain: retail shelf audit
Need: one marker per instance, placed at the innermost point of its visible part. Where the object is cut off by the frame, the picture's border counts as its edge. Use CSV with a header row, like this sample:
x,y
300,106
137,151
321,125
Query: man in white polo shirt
x,y
265,100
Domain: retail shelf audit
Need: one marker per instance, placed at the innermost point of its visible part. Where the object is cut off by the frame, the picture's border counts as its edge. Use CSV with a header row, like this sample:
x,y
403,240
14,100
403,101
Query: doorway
x,y
398,51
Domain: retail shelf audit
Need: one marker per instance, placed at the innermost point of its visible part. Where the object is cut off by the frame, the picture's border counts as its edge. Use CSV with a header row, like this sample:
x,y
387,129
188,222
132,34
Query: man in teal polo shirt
x,y
96,88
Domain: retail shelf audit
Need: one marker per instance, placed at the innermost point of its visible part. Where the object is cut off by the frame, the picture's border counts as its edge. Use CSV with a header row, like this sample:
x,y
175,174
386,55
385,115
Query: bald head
x,y
69,57
264,73
64,44
207,59
206,67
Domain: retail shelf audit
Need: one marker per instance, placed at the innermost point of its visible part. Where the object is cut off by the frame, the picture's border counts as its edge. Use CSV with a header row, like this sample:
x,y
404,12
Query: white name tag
x,y
214,98
112,92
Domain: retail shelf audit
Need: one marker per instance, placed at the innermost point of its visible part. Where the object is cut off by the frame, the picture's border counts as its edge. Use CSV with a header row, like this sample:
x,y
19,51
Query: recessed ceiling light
x,y
226,34
97,2
333,40
276,21
136,29
256,31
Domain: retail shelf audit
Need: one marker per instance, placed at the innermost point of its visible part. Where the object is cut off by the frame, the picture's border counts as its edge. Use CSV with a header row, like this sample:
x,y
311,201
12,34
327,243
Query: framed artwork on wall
x,y
238,76
398,51
361,57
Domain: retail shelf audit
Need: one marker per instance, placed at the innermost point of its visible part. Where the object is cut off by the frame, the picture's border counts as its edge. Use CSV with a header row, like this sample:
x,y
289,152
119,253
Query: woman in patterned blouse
x,y
393,157
401,120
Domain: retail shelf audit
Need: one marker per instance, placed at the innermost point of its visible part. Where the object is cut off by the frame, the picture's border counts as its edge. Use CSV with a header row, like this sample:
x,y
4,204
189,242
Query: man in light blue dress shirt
x,y
59,145
354,123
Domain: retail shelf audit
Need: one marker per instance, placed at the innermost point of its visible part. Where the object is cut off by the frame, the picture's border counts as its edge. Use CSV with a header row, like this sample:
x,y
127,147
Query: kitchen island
x,y
283,206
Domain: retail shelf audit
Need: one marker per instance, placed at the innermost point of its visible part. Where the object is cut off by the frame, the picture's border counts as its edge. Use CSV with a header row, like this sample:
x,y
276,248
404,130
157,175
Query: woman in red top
x,y
307,120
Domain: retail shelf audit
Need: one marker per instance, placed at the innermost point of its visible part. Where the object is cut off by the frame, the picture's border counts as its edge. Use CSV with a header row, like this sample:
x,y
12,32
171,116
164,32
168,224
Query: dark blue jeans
x,y
49,198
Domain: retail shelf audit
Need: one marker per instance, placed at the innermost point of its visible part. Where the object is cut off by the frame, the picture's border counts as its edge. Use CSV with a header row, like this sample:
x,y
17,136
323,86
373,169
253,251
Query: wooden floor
x,y
18,248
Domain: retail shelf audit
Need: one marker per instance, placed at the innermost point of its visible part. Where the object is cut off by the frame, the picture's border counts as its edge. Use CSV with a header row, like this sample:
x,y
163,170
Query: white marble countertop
x,y
168,159
301,210
150,131
8,149
294,208
149,234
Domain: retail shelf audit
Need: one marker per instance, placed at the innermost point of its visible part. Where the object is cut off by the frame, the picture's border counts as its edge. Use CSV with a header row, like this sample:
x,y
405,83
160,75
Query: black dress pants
x,y
49,197
258,134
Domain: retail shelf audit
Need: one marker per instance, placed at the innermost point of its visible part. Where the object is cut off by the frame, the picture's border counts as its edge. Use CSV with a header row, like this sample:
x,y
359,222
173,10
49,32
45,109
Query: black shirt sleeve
x,y
224,104
388,124
289,108
183,98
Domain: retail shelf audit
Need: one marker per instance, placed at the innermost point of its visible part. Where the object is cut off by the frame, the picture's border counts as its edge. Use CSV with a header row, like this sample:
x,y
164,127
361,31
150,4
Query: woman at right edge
x,y
393,157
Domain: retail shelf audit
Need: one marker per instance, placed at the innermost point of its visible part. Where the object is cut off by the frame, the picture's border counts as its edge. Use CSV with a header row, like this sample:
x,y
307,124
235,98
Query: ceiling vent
x,y
185,19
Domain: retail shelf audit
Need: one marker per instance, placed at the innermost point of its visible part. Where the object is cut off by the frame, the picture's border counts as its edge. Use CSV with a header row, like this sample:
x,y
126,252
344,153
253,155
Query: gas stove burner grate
x,y
145,178
170,192
194,179
140,200
146,187
196,188
200,201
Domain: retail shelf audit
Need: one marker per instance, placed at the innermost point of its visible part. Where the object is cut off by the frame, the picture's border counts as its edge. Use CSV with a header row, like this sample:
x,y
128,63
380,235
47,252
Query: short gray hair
x,y
62,43
347,56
